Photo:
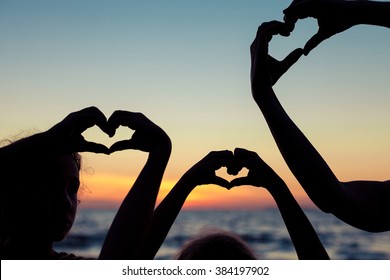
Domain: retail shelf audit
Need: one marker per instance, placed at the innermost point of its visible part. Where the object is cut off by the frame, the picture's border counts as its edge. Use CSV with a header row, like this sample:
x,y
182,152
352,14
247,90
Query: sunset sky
x,y
185,65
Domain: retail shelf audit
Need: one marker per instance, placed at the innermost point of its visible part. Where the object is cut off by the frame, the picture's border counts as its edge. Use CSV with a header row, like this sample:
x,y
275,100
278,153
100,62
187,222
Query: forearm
x,y
304,238
303,159
370,12
131,224
165,215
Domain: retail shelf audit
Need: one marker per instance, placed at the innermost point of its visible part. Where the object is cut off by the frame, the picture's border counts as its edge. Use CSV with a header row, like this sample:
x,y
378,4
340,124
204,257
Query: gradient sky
x,y
185,64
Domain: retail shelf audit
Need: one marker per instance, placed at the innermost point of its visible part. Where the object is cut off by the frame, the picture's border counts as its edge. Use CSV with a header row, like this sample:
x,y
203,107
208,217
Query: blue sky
x,y
185,64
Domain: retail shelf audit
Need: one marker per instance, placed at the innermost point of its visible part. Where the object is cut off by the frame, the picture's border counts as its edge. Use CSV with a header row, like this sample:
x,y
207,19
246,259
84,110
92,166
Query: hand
x,y
148,137
66,135
333,16
259,175
266,70
203,172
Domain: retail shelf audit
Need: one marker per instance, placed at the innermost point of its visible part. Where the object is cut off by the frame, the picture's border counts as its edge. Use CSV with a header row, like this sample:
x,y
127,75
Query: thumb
x,y
314,42
93,147
285,64
220,182
240,182
122,145
292,58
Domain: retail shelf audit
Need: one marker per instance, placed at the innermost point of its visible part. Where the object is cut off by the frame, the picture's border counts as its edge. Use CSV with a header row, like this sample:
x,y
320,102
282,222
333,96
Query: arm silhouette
x,y
335,16
302,234
362,204
202,173
127,232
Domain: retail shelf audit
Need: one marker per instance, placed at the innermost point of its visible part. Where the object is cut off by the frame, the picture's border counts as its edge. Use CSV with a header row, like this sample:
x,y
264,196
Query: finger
x,y
272,60
248,159
273,27
259,48
296,10
252,50
80,121
290,23
77,122
118,118
314,42
291,58
132,120
268,29
98,117
233,168
220,182
285,33
279,68
94,148
258,51
242,154
242,181
218,159
122,145
125,118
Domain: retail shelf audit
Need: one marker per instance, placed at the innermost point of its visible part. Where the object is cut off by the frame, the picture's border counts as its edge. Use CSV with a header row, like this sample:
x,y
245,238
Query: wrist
x,y
187,181
163,149
161,155
277,188
262,95
187,184
367,12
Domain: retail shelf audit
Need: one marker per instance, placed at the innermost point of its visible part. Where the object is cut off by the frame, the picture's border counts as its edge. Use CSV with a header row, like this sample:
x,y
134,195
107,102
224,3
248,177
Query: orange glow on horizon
x,y
108,191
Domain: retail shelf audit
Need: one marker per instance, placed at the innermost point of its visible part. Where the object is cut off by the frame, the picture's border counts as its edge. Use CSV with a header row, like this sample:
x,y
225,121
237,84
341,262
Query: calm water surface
x,y
264,231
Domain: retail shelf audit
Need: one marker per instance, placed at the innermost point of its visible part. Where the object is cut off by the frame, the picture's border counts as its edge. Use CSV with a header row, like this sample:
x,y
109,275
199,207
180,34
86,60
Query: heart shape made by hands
x,y
232,172
96,135
147,136
223,172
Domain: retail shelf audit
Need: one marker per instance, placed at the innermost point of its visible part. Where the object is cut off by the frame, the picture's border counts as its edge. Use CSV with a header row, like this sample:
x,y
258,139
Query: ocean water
x,y
263,230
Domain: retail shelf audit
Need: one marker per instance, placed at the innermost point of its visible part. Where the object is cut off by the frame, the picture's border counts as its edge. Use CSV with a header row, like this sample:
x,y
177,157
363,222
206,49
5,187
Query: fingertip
x,y
242,181
229,187
105,150
290,21
114,148
239,153
232,171
110,129
299,52
306,51
228,153
285,33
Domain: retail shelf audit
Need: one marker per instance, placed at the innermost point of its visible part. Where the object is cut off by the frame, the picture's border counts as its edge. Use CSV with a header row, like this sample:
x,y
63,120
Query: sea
x,y
263,230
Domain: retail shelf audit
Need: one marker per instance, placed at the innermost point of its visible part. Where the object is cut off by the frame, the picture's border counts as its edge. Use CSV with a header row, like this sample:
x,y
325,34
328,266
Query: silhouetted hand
x,y
148,137
333,16
266,70
203,172
259,175
66,135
